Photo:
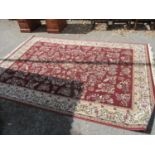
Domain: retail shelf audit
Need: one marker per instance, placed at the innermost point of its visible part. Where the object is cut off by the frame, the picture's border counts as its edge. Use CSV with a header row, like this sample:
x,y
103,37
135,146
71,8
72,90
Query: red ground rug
x,y
109,83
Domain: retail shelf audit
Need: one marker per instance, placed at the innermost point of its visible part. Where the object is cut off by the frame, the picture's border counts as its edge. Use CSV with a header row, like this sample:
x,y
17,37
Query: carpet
x,y
107,83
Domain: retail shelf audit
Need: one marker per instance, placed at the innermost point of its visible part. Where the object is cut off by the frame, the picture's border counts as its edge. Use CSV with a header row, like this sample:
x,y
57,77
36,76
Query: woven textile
x,y
109,83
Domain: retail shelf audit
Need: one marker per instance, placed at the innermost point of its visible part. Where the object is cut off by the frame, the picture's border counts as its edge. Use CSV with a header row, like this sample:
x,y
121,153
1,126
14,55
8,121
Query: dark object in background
x,y
28,25
135,24
55,25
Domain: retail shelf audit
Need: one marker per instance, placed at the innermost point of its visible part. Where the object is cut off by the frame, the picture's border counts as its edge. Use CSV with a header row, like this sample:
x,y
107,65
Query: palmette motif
x,y
105,82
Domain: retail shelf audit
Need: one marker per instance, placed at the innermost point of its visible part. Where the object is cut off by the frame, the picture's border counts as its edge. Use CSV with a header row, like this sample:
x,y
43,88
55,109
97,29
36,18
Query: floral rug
x,y
108,83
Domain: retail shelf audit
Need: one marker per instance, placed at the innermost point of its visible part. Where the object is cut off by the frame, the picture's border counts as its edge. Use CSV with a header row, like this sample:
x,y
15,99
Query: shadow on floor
x,y
1,120
77,29
19,119
70,29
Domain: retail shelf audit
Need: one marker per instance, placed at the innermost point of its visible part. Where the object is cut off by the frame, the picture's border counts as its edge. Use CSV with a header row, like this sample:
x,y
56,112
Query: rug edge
x,y
16,48
143,128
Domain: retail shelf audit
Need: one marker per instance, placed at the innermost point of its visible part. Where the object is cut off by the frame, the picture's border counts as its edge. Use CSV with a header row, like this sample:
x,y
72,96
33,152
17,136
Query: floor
x,y
20,119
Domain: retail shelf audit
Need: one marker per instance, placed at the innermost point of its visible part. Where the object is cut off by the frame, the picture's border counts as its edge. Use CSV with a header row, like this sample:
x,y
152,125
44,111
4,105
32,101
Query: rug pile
x,y
108,83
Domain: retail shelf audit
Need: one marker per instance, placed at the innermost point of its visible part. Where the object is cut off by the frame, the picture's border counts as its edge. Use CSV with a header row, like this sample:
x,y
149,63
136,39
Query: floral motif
x,y
71,62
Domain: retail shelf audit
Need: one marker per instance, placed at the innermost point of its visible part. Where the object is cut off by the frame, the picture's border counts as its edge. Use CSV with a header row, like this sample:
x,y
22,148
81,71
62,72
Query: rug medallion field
x,y
108,83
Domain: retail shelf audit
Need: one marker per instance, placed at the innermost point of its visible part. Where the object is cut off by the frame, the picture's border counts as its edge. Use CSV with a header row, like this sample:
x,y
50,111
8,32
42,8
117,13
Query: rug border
x,y
91,40
34,36
150,57
15,49
74,116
